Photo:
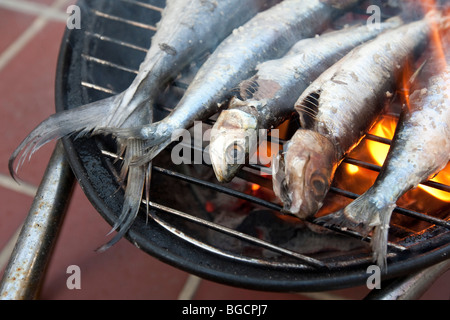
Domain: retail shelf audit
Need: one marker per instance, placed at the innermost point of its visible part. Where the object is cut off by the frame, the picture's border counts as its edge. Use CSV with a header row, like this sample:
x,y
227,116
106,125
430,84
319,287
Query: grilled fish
x,y
269,96
269,35
335,112
187,29
420,148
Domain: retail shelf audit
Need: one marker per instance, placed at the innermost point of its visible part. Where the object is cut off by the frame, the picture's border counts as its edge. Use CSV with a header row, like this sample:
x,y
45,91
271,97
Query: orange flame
x,y
437,33
444,178
385,128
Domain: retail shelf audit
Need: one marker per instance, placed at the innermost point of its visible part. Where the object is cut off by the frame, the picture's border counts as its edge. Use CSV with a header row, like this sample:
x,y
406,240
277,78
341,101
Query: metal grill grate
x,y
107,53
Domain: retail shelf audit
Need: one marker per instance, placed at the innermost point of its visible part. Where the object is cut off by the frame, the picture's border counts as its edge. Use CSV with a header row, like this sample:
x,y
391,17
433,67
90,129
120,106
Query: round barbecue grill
x,y
101,59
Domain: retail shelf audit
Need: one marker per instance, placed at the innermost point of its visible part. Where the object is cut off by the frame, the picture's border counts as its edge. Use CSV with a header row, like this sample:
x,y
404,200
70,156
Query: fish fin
x,y
154,135
80,121
133,194
151,154
364,215
379,241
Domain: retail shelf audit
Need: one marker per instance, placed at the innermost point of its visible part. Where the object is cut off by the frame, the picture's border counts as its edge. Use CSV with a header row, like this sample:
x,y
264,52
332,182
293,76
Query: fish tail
x,y
365,215
137,176
156,136
82,120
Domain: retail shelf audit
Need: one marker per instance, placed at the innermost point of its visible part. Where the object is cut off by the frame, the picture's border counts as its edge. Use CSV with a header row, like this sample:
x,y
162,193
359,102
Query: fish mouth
x,y
290,208
227,161
283,187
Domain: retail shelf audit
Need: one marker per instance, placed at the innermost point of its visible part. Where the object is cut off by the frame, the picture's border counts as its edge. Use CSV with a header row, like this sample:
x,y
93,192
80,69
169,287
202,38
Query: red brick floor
x,y
123,272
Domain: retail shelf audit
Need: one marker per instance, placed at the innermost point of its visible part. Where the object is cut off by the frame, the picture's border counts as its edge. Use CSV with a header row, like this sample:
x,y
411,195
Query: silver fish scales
x,y
268,35
420,148
270,95
336,111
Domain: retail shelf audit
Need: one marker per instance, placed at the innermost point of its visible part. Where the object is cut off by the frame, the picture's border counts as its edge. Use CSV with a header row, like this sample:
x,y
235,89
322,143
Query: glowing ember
x,y
255,187
209,207
352,169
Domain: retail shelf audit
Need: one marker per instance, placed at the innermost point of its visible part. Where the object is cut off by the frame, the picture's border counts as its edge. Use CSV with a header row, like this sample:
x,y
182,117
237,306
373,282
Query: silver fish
x,y
187,29
420,148
269,35
336,110
270,95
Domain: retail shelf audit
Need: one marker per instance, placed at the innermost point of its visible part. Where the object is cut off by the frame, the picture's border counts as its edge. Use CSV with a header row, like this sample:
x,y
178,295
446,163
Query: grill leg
x,y
26,268
411,287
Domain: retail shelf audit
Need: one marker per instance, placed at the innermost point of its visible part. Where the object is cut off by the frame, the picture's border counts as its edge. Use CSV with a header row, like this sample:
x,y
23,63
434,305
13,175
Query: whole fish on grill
x,y
269,35
420,148
336,111
187,29
269,96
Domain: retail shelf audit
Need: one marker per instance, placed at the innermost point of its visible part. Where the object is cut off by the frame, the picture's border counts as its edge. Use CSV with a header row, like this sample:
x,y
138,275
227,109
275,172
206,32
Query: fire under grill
x,y
232,233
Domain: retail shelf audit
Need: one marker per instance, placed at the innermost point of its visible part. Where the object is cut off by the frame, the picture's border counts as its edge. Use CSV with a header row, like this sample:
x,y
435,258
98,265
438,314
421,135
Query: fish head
x,y
233,138
303,172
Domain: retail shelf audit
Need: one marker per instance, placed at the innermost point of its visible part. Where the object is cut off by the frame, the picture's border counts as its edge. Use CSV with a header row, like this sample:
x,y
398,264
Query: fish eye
x,y
319,185
235,154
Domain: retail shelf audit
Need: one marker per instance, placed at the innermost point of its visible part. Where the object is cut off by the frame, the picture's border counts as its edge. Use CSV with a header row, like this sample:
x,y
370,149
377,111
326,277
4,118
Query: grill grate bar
x,y
127,21
116,41
144,5
97,87
305,259
218,188
404,211
276,207
108,63
253,199
377,168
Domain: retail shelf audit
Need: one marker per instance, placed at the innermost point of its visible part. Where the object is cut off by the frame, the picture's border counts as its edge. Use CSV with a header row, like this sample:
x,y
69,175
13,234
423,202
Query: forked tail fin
x,y
365,215
137,176
156,136
80,121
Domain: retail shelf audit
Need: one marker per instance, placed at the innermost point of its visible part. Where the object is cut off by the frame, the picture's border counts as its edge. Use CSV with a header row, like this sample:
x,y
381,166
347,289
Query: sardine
x,y
187,29
269,35
420,148
336,111
269,96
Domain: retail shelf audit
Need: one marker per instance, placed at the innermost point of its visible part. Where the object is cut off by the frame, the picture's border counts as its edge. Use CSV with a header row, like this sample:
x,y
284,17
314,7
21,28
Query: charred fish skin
x,y
339,107
269,96
266,36
420,148
187,29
